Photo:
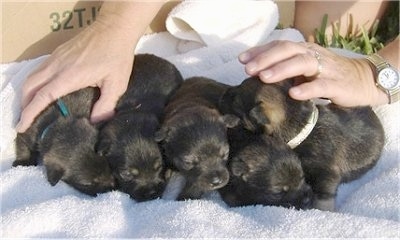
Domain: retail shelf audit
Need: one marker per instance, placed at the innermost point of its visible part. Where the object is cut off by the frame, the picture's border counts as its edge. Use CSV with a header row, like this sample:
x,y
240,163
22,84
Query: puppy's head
x,y
198,147
270,173
68,152
266,107
128,142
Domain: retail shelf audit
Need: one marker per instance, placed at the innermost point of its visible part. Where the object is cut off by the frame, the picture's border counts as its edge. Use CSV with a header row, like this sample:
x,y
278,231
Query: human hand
x,y
319,72
95,57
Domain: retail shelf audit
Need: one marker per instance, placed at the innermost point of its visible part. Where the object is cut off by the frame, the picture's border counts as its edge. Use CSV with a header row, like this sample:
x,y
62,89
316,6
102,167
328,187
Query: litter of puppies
x,y
252,142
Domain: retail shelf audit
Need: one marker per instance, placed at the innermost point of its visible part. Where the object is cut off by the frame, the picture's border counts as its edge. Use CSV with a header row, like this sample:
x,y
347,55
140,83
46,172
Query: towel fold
x,y
199,23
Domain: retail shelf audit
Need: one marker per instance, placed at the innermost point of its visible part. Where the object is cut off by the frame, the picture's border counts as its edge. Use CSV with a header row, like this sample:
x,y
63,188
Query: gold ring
x,y
318,56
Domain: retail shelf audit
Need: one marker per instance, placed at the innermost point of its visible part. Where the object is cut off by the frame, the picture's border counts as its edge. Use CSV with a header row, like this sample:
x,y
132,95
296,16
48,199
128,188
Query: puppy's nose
x,y
216,181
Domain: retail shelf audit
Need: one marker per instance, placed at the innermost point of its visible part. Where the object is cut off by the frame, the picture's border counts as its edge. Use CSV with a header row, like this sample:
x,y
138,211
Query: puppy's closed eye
x,y
129,174
188,162
258,115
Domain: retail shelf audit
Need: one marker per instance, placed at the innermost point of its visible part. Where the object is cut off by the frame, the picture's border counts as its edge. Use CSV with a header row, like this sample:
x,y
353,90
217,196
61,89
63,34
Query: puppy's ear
x,y
103,147
230,120
54,173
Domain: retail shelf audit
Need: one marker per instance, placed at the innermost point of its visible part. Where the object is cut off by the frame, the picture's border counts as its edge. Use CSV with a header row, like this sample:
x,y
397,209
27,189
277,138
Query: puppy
x,y
128,139
68,153
263,171
335,144
193,136
63,138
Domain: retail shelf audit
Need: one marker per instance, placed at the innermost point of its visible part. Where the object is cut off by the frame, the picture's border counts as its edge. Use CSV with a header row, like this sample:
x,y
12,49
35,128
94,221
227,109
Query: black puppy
x,y
335,144
63,138
68,153
128,139
194,137
264,171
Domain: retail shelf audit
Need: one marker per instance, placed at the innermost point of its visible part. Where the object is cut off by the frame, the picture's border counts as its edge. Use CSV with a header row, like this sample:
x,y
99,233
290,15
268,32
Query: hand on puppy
x,y
79,63
101,55
319,72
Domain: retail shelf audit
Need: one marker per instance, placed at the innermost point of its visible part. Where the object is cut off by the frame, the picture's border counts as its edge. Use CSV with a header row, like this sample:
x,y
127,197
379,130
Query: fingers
x,y
37,97
264,57
104,107
310,90
36,80
298,65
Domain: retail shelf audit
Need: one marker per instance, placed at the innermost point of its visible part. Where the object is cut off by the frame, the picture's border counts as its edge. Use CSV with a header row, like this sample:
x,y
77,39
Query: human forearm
x,y
309,14
391,53
128,19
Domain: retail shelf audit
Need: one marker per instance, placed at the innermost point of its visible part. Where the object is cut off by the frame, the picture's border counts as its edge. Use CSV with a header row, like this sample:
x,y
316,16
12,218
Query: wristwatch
x,y
386,77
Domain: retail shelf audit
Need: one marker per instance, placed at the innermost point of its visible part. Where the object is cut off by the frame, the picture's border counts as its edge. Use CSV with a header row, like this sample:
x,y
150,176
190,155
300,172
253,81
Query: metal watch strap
x,y
380,63
394,95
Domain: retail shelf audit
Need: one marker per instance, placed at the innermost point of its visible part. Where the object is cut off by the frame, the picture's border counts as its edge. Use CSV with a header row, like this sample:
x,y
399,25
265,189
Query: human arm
x,y
345,81
101,55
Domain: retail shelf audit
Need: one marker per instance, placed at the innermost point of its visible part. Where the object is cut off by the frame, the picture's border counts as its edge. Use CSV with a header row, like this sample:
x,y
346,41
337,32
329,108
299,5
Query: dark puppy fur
x,y
128,139
344,144
194,137
68,153
66,145
264,171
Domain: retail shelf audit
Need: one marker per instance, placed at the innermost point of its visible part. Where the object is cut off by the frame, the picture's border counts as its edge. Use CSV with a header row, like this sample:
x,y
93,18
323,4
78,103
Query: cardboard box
x,y
31,29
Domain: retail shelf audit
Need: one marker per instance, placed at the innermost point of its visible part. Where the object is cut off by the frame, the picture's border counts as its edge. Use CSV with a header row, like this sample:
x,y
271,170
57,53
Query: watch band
x,y
380,64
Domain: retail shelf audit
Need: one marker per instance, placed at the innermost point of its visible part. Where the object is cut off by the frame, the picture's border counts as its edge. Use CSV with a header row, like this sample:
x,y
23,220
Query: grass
x,y
361,40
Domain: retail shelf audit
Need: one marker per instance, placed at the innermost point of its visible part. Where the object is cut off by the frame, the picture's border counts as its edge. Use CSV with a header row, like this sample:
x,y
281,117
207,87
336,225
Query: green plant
x,y
357,40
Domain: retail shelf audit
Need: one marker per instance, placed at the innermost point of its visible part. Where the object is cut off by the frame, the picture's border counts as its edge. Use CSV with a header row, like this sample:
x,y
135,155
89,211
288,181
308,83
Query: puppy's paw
x,y
325,204
24,162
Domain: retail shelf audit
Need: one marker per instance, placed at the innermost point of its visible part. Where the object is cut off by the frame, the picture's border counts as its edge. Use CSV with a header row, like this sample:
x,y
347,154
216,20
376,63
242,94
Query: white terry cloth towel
x,y
32,208
199,23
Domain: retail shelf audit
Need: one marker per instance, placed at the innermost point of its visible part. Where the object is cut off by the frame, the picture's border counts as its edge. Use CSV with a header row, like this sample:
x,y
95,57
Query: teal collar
x,y
62,107
64,111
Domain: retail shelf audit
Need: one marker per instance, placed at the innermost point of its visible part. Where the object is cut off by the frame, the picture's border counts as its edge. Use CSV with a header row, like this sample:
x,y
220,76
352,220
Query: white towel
x,y
30,207
199,23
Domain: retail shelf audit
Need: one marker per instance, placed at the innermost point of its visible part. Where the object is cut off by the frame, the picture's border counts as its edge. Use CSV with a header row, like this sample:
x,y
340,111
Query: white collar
x,y
303,134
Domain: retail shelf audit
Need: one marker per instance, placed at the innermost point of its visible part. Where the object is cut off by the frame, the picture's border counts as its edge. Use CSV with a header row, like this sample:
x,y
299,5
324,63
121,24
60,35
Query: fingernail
x,y
18,127
265,75
295,91
244,57
251,67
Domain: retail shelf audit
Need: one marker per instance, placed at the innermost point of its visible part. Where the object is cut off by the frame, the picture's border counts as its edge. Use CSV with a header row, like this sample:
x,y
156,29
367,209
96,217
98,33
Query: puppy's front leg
x,y
190,191
325,185
25,156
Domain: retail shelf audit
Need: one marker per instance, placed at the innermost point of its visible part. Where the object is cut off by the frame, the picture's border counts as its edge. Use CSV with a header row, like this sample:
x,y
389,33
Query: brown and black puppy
x,y
264,170
67,148
63,138
128,139
344,143
194,138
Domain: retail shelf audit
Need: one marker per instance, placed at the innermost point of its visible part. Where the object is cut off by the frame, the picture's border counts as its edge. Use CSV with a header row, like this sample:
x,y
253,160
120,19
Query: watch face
x,y
388,78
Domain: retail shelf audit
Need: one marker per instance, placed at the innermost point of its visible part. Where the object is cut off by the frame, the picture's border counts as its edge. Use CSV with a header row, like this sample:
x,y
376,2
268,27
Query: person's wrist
x,y
367,74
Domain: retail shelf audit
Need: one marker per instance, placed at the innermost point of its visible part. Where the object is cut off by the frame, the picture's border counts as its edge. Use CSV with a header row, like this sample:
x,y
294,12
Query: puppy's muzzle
x,y
218,179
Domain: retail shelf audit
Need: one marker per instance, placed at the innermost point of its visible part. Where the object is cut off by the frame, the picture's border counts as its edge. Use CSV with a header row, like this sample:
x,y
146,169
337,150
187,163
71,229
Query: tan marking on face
x,y
275,114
